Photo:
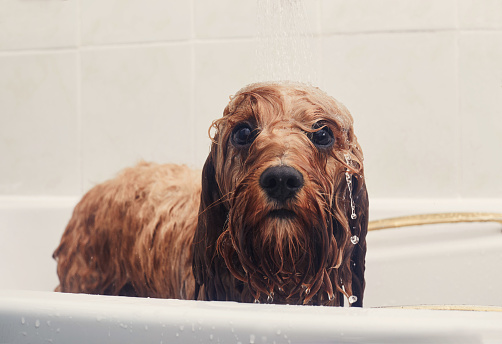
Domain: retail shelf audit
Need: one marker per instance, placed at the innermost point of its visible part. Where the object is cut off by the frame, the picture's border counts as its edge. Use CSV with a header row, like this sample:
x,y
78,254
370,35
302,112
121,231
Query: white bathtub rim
x,y
30,202
47,315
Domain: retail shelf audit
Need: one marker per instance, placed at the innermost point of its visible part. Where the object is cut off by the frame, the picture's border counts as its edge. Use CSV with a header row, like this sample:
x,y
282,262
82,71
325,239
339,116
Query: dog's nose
x,y
281,182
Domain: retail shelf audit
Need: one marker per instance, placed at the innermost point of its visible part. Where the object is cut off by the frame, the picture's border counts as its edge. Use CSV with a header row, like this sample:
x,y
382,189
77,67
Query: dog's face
x,y
283,160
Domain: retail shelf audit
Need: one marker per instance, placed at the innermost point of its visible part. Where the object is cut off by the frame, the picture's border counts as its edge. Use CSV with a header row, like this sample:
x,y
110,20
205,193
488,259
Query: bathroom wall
x,y
89,87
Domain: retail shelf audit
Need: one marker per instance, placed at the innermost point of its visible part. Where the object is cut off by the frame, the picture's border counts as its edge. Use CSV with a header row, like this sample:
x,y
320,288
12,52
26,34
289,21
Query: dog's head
x,y
284,208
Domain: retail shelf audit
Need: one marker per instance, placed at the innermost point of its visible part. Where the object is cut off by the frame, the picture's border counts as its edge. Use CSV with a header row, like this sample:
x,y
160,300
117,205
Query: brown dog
x,y
281,215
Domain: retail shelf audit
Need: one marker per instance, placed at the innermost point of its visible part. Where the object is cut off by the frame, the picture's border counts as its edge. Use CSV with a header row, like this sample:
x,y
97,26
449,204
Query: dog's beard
x,y
284,255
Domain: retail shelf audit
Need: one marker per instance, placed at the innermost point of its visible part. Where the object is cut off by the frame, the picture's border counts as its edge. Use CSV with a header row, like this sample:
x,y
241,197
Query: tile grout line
x,y
320,45
192,40
410,31
459,136
192,81
111,46
80,135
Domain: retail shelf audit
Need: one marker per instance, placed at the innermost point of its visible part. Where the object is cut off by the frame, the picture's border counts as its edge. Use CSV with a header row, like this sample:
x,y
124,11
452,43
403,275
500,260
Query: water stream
x,y
285,43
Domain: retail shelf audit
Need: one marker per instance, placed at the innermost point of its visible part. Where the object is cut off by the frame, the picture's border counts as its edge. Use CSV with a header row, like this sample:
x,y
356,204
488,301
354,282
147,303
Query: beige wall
x,y
89,87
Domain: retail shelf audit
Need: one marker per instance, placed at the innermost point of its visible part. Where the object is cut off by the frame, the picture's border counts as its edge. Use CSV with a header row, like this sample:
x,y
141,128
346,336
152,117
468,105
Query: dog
x,y
280,214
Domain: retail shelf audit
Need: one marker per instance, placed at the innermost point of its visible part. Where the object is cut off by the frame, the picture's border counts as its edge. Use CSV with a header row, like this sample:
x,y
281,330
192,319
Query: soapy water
x,y
285,43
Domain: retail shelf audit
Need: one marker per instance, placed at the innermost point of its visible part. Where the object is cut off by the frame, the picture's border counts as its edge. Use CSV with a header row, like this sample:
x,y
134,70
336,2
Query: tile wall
x,y
89,87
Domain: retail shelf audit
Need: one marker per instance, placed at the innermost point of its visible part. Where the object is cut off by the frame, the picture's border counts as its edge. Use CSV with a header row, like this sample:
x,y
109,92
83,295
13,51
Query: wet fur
x,y
158,231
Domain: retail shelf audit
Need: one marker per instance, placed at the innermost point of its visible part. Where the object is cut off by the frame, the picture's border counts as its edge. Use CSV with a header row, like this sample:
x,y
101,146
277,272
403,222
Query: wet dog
x,y
279,213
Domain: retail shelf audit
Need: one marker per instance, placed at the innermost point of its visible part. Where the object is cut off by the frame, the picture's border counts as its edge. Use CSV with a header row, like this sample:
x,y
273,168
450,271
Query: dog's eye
x,y
323,137
243,135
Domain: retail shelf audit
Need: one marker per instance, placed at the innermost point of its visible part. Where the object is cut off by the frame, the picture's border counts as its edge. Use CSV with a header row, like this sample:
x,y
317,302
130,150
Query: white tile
x,y
297,17
244,18
225,18
387,15
481,109
221,69
38,131
135,105
38,24
401,90
132,21
480,14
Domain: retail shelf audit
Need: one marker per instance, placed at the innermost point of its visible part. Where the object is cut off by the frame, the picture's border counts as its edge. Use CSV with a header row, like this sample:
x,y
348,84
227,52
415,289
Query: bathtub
x,y
448,264
44,317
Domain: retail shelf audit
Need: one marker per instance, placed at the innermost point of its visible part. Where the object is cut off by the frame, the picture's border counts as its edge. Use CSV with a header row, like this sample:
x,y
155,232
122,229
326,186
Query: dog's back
x,y
128,229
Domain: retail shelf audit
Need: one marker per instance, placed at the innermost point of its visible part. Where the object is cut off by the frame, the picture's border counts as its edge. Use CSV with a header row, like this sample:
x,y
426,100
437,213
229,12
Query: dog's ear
x,y
208,268
359,228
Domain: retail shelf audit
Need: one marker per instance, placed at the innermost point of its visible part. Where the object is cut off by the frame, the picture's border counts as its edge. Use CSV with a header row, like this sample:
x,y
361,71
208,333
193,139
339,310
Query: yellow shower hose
x,y
428,219
472,308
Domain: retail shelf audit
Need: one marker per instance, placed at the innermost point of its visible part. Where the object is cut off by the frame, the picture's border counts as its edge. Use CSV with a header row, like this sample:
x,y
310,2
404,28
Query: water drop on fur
x,y
348,179
354,239
352,299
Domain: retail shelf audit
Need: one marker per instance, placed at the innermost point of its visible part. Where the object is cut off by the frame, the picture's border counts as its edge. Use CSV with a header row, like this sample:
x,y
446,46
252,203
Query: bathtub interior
x,y
433,264
30,229
454,264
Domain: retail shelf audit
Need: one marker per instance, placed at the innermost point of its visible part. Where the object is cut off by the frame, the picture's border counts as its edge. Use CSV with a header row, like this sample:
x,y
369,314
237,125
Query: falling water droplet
x,y
23,321
37,323
354,239
307,291
352,299
251,338
270,298
348,178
